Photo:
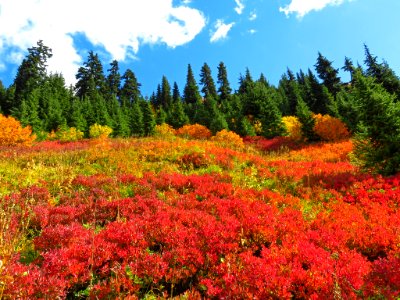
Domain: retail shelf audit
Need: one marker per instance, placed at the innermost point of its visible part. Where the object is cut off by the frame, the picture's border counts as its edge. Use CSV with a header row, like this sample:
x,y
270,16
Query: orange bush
x,y
293,127
225,138
12,133
195,131
329,128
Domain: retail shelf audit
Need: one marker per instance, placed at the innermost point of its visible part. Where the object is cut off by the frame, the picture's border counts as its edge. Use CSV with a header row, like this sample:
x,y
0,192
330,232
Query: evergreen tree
x,y
224,89
136,120
130,91
191,91
2,97
161,116
349,67
28,113
263,80
177,116
113,80
262,103
328,74
206,80
176,96
90,77
245,82
214,119
307,121
166,97
8,102
31,73
149,121
290,93
382,73
77,116
378,136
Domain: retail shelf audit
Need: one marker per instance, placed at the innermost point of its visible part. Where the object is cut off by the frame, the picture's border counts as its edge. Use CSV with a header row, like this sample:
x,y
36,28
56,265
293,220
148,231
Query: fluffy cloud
x,y
303,7
239,6
120,26
221,31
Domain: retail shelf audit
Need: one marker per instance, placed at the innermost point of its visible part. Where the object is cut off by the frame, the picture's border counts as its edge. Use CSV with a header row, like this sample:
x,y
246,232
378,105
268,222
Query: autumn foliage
x,y
195,131
228,138
330,128
12,133
293,127
155,218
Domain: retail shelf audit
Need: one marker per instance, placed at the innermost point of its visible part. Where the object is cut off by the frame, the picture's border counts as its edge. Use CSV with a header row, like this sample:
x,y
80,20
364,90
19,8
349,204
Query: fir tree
x,y
224,89
209,90
307,121
90,77
378,136
77,117
245,82
149,121
177,116
136,121
176,96
113,80
31,73
130,91
166,97
191,91
328,74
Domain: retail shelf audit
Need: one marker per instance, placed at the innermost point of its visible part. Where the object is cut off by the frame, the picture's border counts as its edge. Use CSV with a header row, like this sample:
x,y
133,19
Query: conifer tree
x,y
113,81
77,116
136,121
307,121
382,73
90,77
245,82
209,90
149,121
177,116
328,74
2,97
166,97
191,91
176,96
378,135
31,73
130,91
224,89
290,93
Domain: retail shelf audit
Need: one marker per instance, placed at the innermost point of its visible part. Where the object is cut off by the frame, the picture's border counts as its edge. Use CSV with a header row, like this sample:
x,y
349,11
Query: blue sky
x,y
161,37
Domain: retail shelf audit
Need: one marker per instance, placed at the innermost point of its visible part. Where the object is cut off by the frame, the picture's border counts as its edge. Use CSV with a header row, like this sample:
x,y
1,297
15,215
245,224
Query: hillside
x,y
173,217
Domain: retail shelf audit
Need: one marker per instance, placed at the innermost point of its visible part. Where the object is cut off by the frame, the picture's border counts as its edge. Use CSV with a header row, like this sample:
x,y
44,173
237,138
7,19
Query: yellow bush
x,y
164,130
69,134
226,137
330,128
99,131
12,133
195,131
293,127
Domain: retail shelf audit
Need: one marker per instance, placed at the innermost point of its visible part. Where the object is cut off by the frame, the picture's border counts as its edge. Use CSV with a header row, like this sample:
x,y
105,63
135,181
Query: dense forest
x,y
368,104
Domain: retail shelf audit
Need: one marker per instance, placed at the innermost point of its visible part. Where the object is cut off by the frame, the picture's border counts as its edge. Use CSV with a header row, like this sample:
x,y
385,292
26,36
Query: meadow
x,y
193,218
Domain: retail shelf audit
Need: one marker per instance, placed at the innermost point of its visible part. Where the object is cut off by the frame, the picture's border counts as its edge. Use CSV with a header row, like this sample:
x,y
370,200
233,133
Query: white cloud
x,y
303,7
253,16
252,31
120,26
2,66
221,31
239,6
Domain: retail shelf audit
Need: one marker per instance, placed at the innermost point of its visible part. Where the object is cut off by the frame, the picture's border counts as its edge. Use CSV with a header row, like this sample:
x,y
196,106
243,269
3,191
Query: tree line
x,y
368,104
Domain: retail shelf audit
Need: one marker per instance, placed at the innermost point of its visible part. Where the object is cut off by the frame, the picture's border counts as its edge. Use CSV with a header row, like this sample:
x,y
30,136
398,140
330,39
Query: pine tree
x,y
28,113
191,91
382,73
245,82
206,80
328,74
263,80
149,121
90,77
2,97
130,91
378,136
176,96
290,93
32,72
177,116
136,121
77,117
113,81
166,97
224,89
307,121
